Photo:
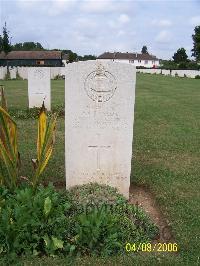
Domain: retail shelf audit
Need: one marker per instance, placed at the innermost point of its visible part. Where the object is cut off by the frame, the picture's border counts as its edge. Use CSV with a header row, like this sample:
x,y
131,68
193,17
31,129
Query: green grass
x,y
166,154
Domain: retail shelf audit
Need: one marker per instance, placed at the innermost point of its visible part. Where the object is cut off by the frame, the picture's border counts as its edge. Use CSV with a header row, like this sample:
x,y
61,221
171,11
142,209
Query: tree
x,y
144,50
28,46
180,56
87,57
168,64
6,46
196,43
1,47
72,57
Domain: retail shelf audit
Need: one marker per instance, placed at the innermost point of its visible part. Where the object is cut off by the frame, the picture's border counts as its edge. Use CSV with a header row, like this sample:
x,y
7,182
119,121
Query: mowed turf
x,y
166,152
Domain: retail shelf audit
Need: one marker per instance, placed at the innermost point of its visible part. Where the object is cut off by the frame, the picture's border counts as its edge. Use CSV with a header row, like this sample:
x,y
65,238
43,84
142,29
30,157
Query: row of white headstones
x,y
99,116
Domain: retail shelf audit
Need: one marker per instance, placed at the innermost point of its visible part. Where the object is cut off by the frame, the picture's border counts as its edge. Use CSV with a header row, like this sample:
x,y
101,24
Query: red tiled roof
x,y
31,55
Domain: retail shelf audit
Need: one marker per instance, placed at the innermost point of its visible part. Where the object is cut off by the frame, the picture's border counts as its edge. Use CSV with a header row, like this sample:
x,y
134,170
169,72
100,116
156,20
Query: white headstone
x,y
39,87
99,106
13,72
3,71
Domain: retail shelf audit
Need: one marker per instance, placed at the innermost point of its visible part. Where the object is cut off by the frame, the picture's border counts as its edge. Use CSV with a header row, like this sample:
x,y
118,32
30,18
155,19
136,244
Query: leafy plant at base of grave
x,y
33,223
197,77
48,222
132,224
104,231
135,225
91,195
9,155
45,143
97,232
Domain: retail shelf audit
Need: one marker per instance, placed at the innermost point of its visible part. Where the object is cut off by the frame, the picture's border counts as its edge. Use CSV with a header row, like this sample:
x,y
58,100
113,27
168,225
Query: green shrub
x,y
92,195
32,223
197,77
135,225
89,219
132,224
97,232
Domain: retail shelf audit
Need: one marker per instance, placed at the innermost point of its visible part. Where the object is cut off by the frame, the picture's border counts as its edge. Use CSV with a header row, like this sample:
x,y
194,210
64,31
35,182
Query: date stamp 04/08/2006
x,y
149,247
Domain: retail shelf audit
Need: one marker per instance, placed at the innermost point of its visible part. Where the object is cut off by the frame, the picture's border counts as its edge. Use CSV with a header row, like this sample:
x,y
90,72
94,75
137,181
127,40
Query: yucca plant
x,y
45,143
9,155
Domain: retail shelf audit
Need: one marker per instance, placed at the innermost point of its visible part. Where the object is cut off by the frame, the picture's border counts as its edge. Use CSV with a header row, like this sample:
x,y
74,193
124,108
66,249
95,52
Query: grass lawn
x,y
166,156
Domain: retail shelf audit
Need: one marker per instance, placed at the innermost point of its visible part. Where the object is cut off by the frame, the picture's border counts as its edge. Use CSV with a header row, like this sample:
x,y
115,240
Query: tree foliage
x,y
196,43
72,57
28,46
87,57
180,56
144,50
5,40
168,64
1,44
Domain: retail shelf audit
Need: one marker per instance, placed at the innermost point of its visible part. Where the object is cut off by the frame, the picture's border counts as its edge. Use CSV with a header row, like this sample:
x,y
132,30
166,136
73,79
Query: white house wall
x,y
150,64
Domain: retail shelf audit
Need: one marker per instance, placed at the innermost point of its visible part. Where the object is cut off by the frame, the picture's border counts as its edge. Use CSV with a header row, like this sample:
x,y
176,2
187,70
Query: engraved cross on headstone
x,y
98,158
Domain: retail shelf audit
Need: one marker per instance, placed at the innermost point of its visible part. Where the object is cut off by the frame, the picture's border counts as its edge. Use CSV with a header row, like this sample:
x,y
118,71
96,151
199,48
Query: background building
x,y
139,60
31,58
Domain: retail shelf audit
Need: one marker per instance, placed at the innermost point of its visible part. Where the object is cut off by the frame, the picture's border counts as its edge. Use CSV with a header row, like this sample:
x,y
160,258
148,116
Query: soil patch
x,y
141,197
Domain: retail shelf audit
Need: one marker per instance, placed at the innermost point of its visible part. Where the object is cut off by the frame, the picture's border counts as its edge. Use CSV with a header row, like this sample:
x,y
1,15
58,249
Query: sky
x,y
97,26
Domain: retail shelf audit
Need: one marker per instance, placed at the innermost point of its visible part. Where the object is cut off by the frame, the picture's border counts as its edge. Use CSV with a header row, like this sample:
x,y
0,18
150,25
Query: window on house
x,y
139,61
39,62
146,62
153,62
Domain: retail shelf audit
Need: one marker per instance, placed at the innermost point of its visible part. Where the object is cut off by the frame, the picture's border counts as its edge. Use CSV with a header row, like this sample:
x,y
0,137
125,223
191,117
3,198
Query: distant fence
x,y
180,73
23,72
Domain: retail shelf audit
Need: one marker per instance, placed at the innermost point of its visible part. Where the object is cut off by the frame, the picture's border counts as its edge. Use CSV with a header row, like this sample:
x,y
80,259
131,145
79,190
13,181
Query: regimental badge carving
x,y
39,74
100,85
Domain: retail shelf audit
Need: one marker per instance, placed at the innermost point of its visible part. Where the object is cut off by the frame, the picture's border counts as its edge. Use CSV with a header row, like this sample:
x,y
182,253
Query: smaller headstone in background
x,y
3,71
13,71
39,87
23,72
